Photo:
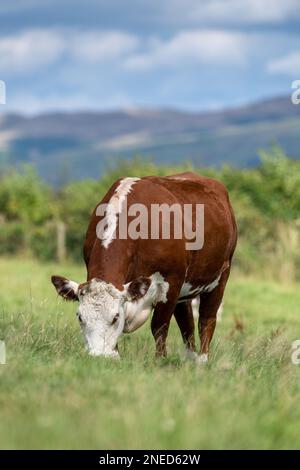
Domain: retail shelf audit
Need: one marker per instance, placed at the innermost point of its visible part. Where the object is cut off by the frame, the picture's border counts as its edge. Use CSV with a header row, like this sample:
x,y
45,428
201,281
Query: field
x,y
53,395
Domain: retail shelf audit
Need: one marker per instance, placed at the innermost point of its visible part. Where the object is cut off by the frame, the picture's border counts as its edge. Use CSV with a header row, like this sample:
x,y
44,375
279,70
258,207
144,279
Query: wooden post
x,y
61,241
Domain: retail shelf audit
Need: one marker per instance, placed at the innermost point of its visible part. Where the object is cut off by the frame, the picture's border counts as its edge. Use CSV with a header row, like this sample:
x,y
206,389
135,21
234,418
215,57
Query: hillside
x,y
82,144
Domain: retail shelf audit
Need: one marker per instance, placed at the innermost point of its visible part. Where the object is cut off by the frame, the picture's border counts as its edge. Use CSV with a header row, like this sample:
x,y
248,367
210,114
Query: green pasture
x,y
53,395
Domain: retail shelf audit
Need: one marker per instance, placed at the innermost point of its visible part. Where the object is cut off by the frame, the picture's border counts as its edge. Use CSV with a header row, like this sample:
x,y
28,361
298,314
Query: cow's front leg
x,y
162,315
160,326
161,318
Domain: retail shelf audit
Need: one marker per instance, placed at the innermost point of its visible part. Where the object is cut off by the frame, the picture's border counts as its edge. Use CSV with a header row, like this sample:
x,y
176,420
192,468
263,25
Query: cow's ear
x,y
66,288
136,289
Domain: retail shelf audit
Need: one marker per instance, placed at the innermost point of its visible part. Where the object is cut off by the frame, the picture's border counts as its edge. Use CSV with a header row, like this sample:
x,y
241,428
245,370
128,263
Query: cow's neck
x,y
114,264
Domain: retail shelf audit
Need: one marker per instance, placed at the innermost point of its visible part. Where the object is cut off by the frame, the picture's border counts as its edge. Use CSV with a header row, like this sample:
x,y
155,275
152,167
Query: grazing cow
x,y
128,276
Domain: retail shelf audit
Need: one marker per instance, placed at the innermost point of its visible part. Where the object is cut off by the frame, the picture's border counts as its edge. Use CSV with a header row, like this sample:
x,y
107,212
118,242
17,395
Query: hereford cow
x,y
129,276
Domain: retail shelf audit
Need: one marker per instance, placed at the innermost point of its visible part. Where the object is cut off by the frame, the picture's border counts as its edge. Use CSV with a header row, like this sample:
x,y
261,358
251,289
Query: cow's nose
x,y
112,354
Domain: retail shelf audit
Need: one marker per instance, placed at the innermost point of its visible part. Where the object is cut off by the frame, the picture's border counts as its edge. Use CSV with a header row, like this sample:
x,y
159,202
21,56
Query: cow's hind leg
x,y
208,309
185,320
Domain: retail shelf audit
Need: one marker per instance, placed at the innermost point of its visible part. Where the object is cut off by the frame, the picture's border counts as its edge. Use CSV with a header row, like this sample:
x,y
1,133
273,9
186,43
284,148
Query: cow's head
x,y
101,311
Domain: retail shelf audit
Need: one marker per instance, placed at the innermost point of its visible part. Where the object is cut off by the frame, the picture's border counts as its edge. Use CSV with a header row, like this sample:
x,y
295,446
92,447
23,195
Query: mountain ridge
x,y
84,140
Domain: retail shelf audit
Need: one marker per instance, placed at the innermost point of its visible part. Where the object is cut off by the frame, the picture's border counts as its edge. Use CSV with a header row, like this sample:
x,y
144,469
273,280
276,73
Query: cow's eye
x,y
116,317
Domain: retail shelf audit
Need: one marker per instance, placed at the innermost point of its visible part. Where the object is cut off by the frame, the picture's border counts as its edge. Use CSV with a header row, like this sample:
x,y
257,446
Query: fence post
x,y
61,241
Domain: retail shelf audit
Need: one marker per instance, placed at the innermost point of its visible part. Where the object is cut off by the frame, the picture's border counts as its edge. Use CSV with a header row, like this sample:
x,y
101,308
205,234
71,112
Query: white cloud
x,y
205,47
30,50
233,11
36,48
100,46
287,65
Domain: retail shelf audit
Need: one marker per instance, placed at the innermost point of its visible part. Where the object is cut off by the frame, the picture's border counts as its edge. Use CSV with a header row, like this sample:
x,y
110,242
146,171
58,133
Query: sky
x,y
193,55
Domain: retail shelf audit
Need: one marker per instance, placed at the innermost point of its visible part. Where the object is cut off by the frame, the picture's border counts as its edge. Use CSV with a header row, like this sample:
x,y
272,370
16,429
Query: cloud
x,y
190,47
36,48
29,50
33,49
101,46
287,65
233,11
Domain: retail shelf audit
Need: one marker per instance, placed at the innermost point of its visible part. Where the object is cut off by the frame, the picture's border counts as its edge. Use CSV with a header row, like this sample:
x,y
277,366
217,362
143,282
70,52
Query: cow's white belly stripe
x,y
212,285
188,290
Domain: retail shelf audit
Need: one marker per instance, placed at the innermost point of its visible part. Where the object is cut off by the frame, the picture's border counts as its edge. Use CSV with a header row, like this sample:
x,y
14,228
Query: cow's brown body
x,y
125,260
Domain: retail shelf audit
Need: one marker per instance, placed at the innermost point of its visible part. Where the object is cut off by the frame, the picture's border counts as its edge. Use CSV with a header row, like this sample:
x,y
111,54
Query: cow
x,y
129,277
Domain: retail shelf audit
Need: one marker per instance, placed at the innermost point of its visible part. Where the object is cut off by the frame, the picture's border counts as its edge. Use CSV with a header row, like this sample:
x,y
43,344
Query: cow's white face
x,y
101,310
101,317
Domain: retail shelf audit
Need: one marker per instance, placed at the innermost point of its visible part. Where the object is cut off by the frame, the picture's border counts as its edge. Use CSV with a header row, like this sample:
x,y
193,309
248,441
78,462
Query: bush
x,y
25,197
43,241
12,236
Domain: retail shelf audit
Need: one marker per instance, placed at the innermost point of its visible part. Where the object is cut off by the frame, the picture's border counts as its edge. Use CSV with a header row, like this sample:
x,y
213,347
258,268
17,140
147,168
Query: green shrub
x,y
12,236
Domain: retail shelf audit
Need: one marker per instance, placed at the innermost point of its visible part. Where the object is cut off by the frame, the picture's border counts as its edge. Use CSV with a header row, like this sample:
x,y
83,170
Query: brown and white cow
x,y
128,277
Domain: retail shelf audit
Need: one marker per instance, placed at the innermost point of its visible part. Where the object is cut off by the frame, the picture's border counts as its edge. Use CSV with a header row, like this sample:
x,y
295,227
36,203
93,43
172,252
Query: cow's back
x,y
220,232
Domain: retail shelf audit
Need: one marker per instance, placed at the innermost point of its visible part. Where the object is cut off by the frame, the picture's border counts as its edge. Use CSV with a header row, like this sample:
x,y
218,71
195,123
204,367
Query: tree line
x,y
49,223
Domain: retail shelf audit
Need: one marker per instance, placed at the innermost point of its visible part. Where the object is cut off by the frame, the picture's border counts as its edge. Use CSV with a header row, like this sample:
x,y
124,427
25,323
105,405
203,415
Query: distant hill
x,y
82,144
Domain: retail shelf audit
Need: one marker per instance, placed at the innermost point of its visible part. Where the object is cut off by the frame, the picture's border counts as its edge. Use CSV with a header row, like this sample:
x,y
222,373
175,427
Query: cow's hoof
x,y
202,359
190,355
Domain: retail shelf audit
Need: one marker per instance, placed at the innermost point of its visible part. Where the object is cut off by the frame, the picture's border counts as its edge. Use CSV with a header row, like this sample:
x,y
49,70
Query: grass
x,y
53,395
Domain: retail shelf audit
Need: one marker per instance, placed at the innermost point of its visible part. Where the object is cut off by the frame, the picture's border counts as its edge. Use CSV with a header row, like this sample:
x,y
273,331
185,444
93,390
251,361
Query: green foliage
x,y
266,201
273,188
24,197
76,202
43,241
12,237
283,175
140,167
